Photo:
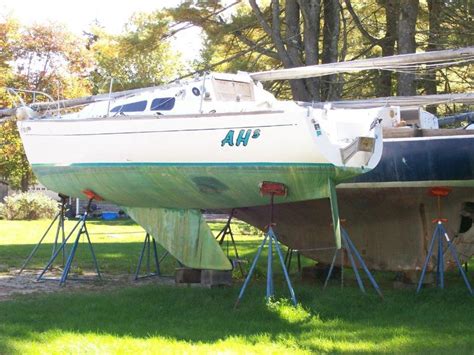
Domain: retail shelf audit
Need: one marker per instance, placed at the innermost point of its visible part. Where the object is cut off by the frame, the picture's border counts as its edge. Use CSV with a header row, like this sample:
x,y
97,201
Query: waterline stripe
x,y
197,164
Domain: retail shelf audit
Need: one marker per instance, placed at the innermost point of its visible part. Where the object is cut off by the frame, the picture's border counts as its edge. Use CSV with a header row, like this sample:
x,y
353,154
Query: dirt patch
x,y
12,284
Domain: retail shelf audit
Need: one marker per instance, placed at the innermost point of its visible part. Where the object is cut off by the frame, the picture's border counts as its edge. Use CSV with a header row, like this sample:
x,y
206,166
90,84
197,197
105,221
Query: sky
x,y
112,14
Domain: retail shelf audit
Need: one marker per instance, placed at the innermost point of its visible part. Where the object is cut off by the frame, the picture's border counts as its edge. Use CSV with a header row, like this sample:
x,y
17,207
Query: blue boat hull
x,y
423,161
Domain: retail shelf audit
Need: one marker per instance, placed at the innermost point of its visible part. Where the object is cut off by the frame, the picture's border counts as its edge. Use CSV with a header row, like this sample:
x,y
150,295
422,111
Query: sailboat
x,y
165,153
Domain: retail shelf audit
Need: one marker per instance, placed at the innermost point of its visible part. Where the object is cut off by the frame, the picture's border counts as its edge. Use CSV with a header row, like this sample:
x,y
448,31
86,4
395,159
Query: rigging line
x,y
211,66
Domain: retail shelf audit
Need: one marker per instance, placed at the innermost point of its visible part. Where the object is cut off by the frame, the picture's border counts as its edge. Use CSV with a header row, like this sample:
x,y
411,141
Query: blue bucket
x,y
109,216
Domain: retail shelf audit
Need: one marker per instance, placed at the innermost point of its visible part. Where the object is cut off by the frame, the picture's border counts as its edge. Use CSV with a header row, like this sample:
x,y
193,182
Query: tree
x,y
42,58
14,167
48,58
406,43
141,56
9,35
286,35
330,88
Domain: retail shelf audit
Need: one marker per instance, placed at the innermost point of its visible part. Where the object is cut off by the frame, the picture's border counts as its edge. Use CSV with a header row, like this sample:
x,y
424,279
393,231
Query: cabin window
x,y
131,107
227,90
162,104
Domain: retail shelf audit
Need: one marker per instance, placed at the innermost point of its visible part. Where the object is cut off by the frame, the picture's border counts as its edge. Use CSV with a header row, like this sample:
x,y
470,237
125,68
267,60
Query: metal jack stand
x,y
439,235
227,231
147,247
289,256
272,189
351,250
81,231
59,230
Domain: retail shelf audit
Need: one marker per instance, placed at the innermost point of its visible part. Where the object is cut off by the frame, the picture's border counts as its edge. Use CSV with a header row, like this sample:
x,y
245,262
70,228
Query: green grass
x,y
161,319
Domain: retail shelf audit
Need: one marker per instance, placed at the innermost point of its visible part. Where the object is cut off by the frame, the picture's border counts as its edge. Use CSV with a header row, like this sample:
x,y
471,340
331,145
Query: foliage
x,y
233,42
37,57
141,56
9,36
28,206
236,40
14,166
46,57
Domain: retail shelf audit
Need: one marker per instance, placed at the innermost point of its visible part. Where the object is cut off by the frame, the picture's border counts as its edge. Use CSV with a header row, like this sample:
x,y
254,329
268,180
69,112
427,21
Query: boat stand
x,y
272,189
81,226
289,257
439,235
351,251
149,244
59,219
227,232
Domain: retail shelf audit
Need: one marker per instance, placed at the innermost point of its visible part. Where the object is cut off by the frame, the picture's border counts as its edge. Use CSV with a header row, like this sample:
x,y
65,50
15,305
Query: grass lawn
x,y
155,318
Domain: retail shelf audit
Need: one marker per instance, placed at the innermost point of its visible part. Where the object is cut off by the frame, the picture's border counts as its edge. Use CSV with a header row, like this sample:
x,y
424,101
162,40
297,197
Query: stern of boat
x,y
352,138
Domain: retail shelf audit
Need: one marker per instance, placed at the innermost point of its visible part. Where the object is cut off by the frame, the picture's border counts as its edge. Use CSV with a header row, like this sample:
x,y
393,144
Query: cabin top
x,y
212,93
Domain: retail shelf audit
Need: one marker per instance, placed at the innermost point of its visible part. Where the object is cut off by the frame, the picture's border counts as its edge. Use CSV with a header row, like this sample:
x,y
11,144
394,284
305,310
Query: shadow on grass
x,y
114,258
121,257
334,320
331,321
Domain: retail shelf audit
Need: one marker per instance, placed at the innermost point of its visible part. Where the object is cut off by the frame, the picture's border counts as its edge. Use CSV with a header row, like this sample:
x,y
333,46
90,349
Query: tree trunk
x,y
435,9
406,43
384,86
294,46
25,182
311,11
298,87
329,87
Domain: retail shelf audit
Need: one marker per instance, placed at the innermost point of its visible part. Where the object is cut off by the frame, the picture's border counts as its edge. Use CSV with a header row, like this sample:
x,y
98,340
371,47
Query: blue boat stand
x,y
351,251
149,244
59,218
227,232
439,235
81,226
272,239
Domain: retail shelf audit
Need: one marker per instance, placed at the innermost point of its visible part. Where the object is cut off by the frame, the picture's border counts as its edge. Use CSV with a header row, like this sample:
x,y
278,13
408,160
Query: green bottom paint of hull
x,y
206,186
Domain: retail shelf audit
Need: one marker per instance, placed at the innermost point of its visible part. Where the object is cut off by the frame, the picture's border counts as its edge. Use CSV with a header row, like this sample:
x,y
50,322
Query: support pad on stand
x,y
439,235
81,226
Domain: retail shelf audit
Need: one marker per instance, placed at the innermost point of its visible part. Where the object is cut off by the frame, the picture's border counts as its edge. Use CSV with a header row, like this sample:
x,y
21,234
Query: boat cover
x,y
184,234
